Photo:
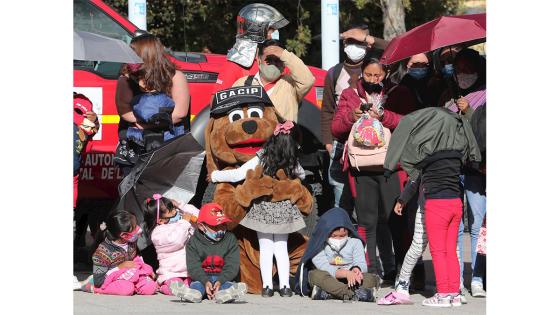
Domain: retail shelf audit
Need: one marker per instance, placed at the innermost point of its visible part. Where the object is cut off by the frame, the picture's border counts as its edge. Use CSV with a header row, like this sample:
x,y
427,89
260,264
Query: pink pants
x,y
164,288
362,233
442,225
144,286
76,189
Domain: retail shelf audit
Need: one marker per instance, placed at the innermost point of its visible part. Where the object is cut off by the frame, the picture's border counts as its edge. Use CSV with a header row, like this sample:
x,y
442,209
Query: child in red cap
x,y
213,256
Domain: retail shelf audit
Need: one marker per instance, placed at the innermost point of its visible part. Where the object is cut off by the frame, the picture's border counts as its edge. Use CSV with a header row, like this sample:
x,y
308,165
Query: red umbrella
x,y
441,32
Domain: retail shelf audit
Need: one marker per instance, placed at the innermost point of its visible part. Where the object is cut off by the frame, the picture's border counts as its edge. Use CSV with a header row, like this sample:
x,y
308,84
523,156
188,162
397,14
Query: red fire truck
x,y
99,176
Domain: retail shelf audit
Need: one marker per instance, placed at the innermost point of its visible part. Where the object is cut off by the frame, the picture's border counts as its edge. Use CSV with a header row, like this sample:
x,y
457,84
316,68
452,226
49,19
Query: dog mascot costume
x,y
241,120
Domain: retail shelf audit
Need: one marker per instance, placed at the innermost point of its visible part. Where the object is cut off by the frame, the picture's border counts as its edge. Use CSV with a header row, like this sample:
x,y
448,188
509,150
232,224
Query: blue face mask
x,y
176,218
447,71
418,73
214,236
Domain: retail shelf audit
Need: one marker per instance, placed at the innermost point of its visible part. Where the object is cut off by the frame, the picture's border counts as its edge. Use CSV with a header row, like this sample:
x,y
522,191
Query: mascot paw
x,y
305,202
255,185
293,190
285,188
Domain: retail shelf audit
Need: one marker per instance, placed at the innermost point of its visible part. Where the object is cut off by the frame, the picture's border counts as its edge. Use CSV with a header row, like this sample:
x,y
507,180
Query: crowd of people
x,y
426,115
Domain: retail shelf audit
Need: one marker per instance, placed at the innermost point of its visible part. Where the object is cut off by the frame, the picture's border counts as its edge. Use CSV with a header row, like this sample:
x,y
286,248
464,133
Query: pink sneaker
x,y
394,298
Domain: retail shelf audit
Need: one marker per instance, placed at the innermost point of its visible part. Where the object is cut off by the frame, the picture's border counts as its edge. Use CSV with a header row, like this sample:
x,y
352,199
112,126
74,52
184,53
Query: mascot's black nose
x,y
249,126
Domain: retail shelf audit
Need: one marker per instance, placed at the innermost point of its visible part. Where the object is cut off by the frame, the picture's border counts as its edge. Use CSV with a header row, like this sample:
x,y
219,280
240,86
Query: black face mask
x,y
371,87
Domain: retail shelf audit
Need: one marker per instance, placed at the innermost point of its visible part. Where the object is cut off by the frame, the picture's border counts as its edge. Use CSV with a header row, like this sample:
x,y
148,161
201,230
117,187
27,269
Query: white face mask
x,y
465,81
270,72
355,52
337,243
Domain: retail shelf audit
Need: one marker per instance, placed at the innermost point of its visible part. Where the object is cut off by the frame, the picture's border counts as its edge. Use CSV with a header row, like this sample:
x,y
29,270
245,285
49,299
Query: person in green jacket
x,y
213,260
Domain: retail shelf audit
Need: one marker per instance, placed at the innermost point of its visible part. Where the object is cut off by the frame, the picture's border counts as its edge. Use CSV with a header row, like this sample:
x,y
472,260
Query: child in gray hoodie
x,y
341,270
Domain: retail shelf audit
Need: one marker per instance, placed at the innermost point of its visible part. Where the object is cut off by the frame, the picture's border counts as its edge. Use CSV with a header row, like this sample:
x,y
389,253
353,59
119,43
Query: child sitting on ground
x,y
170,228
213,260
117,269
338,267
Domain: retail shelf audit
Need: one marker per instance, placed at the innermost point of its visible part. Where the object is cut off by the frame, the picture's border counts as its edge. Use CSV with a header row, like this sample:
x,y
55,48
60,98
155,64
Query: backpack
x,y
334,73
364,158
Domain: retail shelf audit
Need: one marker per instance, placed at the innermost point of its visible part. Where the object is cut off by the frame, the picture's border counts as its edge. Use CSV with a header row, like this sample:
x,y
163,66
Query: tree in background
x,y
393,18
193,25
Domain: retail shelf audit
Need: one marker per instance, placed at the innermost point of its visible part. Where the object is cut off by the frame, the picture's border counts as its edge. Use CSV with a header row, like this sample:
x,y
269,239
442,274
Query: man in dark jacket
x,y
212,260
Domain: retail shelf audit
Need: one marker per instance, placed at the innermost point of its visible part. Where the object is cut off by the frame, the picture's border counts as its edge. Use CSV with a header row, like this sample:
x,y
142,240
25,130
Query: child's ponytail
x,y
101,234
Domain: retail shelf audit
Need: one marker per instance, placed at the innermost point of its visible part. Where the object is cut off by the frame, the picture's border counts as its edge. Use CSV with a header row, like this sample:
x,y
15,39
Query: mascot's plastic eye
x,y
235,115
255,112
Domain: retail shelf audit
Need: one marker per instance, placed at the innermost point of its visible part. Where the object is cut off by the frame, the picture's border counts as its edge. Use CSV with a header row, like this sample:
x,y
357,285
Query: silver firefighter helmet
x,y
254,20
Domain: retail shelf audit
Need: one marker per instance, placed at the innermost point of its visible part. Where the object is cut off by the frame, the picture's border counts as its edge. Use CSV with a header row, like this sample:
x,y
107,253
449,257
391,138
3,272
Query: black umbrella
x,y
171,170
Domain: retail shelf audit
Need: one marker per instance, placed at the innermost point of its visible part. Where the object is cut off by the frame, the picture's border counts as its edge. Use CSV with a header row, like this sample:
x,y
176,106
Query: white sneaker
x,y
463,295
77,284
477,290
456,300
438,301
231,294
180,290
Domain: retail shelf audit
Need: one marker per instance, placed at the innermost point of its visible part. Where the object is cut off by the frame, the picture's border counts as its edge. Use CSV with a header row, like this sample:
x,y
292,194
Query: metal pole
x,y
137,13
329,33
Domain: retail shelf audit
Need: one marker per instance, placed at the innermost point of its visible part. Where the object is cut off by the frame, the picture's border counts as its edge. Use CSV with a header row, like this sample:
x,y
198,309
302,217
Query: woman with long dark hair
x,y
158,79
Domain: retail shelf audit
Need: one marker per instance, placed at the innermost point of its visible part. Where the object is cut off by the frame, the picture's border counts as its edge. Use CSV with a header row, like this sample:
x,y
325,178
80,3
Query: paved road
x,y
85,303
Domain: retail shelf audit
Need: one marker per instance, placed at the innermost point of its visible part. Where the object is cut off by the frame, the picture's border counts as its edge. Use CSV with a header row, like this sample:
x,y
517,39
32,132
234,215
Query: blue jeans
x,y
475,190
201,287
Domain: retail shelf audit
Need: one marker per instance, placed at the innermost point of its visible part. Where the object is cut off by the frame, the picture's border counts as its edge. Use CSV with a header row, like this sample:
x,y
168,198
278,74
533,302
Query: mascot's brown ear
x,y
210,163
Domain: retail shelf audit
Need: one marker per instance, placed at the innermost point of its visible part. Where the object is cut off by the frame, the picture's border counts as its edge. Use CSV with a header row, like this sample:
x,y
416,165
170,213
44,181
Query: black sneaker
x,y
286,292
364,295
319,294
267,292
390,276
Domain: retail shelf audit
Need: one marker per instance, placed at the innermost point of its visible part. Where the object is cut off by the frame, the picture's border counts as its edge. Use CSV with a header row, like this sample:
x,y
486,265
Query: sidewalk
x,y
86,303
